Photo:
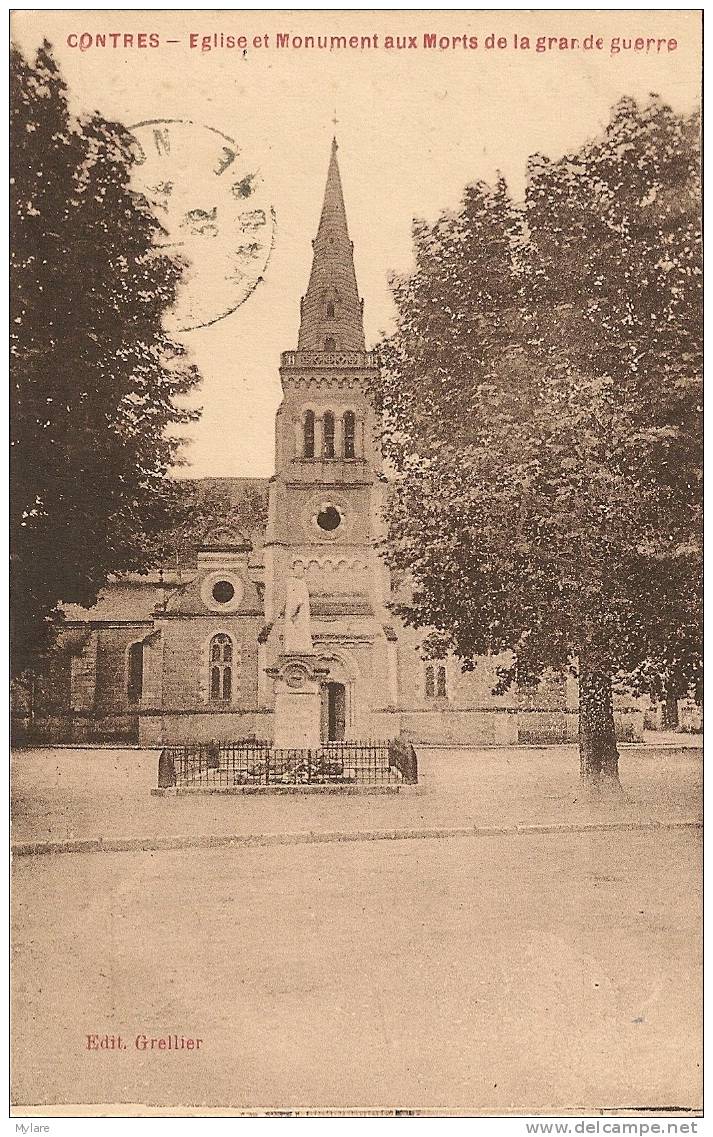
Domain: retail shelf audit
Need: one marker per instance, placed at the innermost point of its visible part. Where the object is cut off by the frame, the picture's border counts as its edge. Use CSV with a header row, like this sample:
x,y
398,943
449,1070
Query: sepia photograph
x,y
356,564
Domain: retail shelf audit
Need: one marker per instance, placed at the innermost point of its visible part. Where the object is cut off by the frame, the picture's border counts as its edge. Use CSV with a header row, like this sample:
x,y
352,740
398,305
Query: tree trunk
x,y
598,754
31,703
669,719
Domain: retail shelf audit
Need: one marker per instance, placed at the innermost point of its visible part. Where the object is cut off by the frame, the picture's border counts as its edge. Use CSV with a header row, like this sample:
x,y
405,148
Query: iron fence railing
x,y
254,762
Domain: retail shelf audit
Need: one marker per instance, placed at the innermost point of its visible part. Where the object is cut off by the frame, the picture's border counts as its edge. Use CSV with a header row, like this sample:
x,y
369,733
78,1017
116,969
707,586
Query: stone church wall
x,y
185,712
185,661
113,715
81,696
353,503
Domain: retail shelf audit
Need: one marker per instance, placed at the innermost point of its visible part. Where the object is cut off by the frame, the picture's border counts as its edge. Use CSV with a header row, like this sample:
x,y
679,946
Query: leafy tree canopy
x,y
542,401
96,384
240,505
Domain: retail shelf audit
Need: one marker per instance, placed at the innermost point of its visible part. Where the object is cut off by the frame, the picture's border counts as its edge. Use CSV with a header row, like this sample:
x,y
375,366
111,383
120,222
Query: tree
x,y
94,379
541,398
204,508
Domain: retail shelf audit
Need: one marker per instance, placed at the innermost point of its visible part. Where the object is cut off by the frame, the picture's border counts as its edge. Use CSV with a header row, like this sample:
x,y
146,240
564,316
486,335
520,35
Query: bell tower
x,y
325,500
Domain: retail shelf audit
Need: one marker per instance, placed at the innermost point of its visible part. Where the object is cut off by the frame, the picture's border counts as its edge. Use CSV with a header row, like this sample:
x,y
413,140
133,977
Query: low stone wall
x,y
76,728
546,727
175,729
690,717
446,727
629,725
452,727
455,727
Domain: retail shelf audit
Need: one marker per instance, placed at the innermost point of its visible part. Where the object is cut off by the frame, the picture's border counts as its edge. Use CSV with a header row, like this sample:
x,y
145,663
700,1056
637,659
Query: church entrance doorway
x,y
334,712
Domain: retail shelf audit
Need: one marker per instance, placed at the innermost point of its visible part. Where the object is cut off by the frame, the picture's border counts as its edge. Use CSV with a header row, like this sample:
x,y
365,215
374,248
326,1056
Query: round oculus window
x,y
223,592
329,519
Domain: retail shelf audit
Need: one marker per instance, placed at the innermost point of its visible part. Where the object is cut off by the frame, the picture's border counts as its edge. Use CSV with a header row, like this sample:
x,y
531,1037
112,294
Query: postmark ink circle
x,y
212,206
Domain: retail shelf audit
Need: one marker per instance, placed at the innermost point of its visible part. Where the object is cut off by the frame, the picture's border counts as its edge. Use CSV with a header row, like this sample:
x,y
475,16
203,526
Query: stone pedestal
x,y
298,679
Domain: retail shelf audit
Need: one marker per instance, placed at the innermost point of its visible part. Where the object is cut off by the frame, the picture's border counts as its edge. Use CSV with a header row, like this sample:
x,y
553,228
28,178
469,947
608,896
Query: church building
x,y
185,654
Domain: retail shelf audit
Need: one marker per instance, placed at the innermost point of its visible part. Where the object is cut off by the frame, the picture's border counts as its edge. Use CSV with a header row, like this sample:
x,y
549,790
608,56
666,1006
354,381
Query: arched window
x,y
330,344
308,440
328,432
135,673
221,668
349,434
330,310
436,682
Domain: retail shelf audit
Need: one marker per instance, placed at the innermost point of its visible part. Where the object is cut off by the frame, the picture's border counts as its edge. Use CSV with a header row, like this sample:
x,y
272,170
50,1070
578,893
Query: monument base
x,y
298,680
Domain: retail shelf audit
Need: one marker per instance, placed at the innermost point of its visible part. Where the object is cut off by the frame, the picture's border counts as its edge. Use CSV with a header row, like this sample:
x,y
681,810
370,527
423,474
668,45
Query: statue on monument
x,y
297,633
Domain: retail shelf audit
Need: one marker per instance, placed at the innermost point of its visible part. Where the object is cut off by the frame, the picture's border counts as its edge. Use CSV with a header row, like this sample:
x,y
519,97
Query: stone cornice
x,y
330,379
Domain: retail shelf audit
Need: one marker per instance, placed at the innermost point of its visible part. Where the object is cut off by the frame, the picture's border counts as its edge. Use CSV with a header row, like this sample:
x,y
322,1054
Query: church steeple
x,y
331,311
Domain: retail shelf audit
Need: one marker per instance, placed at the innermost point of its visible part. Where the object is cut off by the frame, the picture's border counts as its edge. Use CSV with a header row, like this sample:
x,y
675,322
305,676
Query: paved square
x,y
64,794
514,973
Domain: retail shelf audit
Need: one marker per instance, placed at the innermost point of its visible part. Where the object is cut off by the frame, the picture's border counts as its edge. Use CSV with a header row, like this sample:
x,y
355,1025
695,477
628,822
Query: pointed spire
x,y
331,311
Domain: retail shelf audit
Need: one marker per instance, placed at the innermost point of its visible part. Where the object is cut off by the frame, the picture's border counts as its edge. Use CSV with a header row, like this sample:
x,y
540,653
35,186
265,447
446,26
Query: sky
x,y
414,125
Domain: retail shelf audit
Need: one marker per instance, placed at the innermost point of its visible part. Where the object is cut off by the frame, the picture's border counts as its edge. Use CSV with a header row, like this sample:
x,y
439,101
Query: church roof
x,y
331,312
243,501
120,602
236,489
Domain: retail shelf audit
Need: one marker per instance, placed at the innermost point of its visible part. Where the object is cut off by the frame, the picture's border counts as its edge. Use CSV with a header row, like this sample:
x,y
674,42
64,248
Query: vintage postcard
x,y
356,563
